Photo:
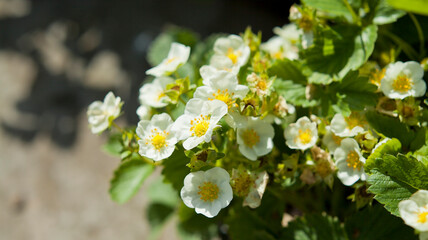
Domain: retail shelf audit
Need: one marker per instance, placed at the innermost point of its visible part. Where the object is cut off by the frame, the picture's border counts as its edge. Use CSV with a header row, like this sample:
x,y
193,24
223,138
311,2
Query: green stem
x,y
351,10
182,100
176,75
420,35
117,126
214,146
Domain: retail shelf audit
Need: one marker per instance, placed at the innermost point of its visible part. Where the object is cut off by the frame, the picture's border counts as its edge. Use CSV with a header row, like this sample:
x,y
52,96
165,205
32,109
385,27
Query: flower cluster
x,y
221,98
252,116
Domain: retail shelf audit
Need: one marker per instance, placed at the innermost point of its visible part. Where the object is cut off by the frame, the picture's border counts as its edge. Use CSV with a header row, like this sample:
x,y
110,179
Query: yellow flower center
x,y
304,136
224,96
353,160
170,60
242,184
376,77
208,191
261,84
250,137
233,55
354,120
161,95
277,55
158,139
422,217
402,84
200,125
336,139
305,23
324,168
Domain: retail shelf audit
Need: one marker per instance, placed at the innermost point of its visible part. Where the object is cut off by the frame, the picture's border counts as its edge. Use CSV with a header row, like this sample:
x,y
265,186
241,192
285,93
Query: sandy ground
x,y
50,193
53,193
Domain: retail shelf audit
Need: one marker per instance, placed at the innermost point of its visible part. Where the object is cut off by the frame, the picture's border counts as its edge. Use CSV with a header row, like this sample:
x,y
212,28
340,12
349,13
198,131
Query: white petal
x,y
192,142
413,69
409,212
347,178
193,106
162,121
143,112
204,93
420,198
419,88
217,173
248,152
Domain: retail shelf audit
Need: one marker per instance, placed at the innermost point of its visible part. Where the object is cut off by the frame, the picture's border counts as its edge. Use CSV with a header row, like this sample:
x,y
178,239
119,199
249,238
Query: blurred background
x,y
56,57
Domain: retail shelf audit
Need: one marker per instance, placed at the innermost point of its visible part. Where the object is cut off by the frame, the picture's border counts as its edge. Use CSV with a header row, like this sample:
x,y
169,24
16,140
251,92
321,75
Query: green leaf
x,y
203,158
263,222
157,214
315,227
419,139
406,169
163,201
159,49
128,178
358,92
332,7
114,145
385,13
191,224
187,71
163,193
348,47
422,153
390,127
246,224
287,70
293,93
375,223
175,169
392,146
394,179
388,190
417,6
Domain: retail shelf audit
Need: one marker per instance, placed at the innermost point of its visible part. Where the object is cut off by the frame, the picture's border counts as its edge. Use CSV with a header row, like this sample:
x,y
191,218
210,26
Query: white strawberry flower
x,y
257,189
220,85
144,112
301,135
153,94
223,63
101,114
198,122
402,80
157,141
289,32
234,48
177,56
207,192
249,185
331,140
349,162
279,48
307,39
255,138
347,126
414,211
293,34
